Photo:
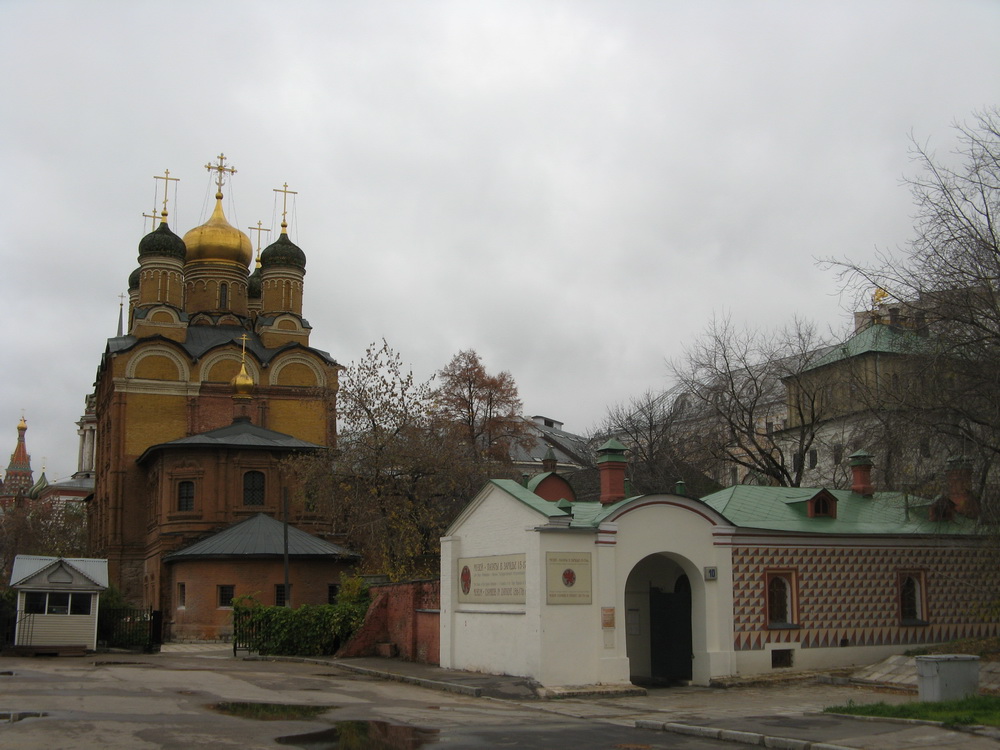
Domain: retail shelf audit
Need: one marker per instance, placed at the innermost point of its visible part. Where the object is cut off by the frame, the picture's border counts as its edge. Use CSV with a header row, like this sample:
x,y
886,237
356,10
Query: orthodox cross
x,y
284,202
167,179
221,168
258,229
243,355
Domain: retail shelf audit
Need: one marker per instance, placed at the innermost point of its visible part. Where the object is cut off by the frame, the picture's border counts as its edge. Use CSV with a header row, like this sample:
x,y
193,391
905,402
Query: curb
x,y
733,735
450,687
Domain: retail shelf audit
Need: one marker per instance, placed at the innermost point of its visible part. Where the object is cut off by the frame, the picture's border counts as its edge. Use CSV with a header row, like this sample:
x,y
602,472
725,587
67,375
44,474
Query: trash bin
x,y
947,677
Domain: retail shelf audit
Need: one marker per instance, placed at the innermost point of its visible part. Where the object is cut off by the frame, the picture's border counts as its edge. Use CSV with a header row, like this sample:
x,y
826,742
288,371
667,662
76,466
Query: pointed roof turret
x,y
19,479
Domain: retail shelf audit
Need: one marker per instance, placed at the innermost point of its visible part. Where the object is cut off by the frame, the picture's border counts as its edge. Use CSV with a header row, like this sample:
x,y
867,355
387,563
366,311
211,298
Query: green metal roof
x,y
786,509
875,339
529,498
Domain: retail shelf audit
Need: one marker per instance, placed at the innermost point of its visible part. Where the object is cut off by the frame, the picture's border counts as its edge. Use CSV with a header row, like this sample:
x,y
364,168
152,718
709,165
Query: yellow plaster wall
x,y
296,374
157,367
223,371
152,419
304,419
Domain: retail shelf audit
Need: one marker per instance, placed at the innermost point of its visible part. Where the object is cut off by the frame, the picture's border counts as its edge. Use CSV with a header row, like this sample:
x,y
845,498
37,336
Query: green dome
x,y
161,242
283,252
253,284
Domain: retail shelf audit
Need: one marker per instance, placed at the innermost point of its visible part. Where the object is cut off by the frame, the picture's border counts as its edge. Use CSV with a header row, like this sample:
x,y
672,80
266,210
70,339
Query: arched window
x,y
185,496
781,599
223,296
911,599
253,488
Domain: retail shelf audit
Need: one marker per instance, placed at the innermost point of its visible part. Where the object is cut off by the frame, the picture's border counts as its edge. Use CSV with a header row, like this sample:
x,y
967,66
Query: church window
x,y
823,505
185,496
253,488
226,594
181,595
911,603
780,589
332,592
280,599
813,458
223,296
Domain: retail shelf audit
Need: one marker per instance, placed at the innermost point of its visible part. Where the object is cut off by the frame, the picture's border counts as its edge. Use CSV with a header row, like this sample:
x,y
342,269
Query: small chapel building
x,y
211,383
664,588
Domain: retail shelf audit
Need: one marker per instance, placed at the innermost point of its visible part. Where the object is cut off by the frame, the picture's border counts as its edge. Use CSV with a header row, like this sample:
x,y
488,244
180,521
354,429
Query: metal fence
x,y
130,627
245,630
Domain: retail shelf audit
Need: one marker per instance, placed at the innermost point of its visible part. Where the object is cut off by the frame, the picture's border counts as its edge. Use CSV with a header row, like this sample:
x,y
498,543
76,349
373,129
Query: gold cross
x,y
258,229
167,179
284,202
243,356
221,168
121,300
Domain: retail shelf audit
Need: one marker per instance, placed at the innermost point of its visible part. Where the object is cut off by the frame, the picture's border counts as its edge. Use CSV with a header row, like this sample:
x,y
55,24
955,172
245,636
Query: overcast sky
x,y
572,188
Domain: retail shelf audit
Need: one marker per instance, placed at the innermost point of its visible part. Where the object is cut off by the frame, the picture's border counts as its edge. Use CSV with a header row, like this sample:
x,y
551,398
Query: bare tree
x,y
742,388
652,425
947,281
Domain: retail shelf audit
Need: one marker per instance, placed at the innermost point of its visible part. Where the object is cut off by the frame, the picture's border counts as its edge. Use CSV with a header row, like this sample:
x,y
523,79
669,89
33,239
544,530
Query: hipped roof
x,y
260,536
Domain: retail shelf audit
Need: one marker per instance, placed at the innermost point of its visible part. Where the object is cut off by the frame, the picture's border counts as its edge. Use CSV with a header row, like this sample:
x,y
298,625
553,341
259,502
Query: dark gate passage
x,y
670,632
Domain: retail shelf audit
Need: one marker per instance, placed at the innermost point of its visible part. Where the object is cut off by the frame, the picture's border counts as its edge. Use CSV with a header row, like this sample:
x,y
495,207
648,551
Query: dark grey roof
x,y
202,339
259,536
568,448
240,434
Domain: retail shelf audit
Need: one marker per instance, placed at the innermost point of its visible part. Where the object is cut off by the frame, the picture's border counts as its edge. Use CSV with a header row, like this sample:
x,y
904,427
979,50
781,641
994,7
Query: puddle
x,y
6,674
122,664
362,735
270,711
12,716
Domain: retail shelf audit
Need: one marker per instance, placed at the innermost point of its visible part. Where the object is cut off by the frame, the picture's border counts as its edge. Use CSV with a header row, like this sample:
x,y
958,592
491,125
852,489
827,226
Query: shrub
x,y
310,630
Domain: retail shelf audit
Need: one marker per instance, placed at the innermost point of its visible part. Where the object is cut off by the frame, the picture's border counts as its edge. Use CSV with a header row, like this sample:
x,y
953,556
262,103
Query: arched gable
x,y
222,365
297,369
158,362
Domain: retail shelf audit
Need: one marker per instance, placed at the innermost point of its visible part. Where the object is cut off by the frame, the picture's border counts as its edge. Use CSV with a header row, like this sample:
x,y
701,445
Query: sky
x,y
574,189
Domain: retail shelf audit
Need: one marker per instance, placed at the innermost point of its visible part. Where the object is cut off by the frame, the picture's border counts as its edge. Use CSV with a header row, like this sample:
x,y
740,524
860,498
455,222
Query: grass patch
x,y
977,709
270,711
987,649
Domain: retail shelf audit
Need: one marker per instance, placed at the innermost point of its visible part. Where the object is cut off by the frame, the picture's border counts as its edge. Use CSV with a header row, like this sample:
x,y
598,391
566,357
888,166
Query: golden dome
x,y
217,239
242,383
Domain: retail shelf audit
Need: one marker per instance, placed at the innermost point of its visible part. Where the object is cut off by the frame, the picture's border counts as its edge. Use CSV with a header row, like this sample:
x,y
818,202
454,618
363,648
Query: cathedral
x,y
197,402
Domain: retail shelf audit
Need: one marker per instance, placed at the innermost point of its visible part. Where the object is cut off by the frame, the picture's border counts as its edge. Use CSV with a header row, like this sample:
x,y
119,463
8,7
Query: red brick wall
x,y
404,614
202,619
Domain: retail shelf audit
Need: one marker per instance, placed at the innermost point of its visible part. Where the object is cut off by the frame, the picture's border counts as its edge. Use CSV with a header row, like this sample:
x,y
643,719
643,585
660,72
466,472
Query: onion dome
x,y
218,240
161,242
283,252
254,284
37,487
133,278
242,383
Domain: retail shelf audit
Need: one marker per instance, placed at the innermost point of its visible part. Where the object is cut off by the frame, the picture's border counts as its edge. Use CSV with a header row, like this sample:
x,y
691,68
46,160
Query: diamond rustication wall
x,y
850,595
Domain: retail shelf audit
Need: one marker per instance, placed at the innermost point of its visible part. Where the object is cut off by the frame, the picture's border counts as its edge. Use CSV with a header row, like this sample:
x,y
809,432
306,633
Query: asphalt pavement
x,y
785,713
97,703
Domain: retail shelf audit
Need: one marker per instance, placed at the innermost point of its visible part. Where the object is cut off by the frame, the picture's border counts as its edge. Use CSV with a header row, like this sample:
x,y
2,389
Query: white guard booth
x,y
57,600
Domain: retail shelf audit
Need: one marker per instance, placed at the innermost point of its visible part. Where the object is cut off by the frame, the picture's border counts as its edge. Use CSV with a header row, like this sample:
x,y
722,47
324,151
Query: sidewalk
x,y
784,715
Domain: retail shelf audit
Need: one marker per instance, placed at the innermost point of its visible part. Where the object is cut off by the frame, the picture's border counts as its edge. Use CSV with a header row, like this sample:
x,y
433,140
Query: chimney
x,y
611,461
960,486
549,462
861,468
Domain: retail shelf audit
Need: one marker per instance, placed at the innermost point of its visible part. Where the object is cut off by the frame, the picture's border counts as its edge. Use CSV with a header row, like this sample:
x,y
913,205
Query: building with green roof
x,y
663,588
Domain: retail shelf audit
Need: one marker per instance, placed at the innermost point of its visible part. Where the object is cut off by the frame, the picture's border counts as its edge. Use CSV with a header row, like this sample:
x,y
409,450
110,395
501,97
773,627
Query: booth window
x,y
57,603
781,600
253,488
